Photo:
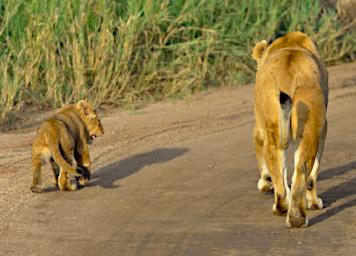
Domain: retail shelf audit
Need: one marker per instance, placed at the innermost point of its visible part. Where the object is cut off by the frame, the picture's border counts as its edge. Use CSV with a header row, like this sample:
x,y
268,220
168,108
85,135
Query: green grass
x,y
126,52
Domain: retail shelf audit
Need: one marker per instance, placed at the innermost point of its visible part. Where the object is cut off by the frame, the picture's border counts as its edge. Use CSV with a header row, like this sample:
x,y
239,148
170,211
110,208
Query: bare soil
x,y
180,178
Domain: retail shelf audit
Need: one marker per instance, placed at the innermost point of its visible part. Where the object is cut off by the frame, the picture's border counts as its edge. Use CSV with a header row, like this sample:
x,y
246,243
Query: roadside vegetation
x,y
128,52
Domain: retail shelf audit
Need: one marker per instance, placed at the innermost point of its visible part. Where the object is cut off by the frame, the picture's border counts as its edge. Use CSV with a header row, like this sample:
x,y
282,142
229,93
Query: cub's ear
x,y
258,50
85,108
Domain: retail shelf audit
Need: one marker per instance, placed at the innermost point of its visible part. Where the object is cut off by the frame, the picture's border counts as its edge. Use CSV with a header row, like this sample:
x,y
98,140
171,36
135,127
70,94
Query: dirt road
x,y
180,178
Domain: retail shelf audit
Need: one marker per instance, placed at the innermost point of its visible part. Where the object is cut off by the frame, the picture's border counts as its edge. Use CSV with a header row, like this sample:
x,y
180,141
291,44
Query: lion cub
x,y
61,138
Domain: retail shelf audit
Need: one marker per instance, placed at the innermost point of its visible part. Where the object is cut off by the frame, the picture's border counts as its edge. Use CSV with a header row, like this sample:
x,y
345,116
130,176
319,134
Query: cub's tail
x,y
53,145
284,119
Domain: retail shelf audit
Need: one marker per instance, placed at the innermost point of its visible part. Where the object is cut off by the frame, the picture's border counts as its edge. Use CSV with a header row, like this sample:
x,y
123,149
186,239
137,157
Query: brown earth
x,y
180,178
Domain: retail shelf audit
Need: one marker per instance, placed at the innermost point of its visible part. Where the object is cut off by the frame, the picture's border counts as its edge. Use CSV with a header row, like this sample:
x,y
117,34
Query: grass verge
x,y
127,52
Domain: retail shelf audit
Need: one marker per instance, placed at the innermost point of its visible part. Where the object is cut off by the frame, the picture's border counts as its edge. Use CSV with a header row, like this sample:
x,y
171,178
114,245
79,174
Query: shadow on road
x,y
336,171
106,176
332,212
344,189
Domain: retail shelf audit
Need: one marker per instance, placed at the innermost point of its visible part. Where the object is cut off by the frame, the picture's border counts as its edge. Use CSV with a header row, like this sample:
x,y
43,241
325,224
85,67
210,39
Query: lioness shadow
x,y
344,189
106,176
329,173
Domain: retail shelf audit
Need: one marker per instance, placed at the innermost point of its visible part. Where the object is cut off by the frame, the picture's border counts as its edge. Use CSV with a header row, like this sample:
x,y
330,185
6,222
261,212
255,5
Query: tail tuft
x,y
284,119
285,101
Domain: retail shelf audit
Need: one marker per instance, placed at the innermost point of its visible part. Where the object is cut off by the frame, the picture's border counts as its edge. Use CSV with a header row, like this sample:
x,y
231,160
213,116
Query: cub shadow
x,y
106,176
333,194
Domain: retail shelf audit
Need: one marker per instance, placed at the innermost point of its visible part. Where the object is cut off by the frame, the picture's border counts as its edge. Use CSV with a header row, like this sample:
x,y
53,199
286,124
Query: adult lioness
x,y
61,138
291,96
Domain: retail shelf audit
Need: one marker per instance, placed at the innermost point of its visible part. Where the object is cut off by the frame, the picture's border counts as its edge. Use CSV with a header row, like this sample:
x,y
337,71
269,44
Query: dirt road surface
x,y
180,178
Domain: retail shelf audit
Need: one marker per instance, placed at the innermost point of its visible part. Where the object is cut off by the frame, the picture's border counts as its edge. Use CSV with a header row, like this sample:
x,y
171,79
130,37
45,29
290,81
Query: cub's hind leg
x,y
36,174
265,182
65,177
65,182
56,170
40,156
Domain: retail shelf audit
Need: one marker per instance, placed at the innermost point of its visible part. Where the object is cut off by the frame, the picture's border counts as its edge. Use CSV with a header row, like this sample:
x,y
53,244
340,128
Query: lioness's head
x,y
292,39
91,119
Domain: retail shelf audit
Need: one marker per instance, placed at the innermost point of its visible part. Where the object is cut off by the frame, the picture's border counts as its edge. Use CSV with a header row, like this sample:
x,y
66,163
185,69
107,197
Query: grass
x,y
126,52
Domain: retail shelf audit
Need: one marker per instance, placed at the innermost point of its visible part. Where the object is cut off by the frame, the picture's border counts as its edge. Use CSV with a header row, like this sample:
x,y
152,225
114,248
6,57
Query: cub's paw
x,y
85,175
36,189
72,186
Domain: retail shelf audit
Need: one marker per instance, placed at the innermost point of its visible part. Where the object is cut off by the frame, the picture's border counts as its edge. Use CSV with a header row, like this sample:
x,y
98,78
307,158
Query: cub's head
x,y
91,120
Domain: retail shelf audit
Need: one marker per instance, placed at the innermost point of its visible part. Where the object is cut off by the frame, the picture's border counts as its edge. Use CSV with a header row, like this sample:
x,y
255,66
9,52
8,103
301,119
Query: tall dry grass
x,y
126,52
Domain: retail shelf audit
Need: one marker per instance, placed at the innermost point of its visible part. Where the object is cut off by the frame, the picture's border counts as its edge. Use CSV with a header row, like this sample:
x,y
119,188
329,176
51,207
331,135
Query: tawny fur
x,y
290,71
62,138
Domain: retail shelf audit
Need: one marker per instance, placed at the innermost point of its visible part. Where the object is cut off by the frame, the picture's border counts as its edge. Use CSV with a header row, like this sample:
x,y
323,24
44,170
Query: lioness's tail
x,y
284,118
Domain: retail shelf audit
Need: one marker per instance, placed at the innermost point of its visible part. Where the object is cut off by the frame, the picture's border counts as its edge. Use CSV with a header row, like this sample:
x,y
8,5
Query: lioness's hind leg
x,y
304,158
265,182
313,201
273,156
296,216
36,175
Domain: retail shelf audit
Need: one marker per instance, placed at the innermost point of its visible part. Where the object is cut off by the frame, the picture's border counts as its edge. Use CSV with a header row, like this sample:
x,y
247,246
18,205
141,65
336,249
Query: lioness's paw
x,y
264,185
296,221
318,205
279,209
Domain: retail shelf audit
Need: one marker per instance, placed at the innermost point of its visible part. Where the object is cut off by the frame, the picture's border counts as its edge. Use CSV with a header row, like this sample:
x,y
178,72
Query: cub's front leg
x,y
84,179
83,164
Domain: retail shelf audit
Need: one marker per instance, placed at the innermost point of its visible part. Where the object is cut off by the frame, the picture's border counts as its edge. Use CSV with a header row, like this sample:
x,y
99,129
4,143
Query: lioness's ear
x,y
258,50
84,107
